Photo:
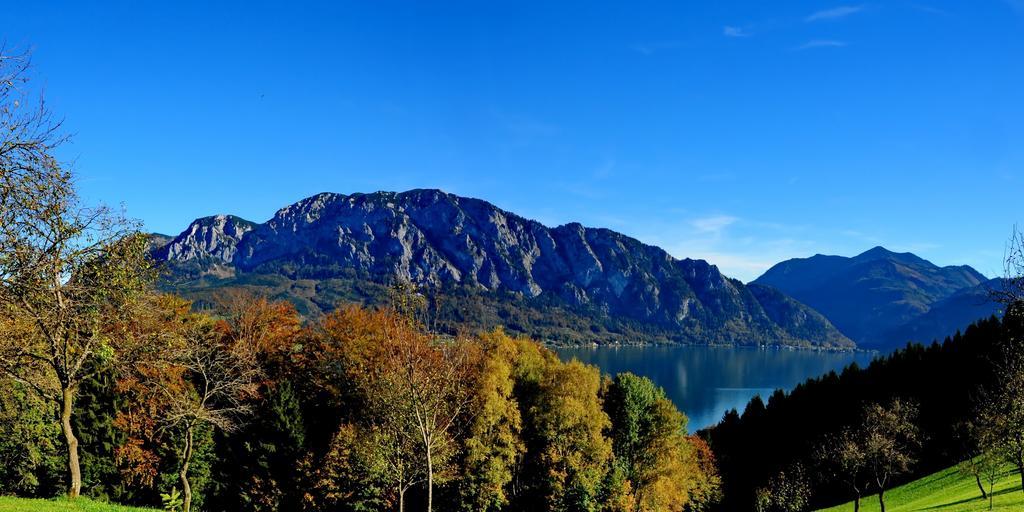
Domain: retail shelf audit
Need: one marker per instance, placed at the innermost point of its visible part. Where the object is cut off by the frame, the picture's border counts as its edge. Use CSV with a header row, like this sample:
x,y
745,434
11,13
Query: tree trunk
x,y
71,442
856,503
981,487
1020,469
430,480
881,498
186,457
401,498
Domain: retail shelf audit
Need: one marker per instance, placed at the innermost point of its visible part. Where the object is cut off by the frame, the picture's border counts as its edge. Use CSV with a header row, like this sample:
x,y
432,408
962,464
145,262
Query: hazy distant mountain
x,y
494,267
869,296
948,315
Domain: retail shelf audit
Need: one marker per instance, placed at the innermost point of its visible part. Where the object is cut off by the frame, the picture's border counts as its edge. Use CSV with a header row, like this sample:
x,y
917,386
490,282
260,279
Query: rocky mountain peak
x,y
433,238
215,237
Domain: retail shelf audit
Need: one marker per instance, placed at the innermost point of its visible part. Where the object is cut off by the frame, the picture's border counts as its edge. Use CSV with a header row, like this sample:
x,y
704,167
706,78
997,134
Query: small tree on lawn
x,y
989,466
890,440
843,458
787,491
1000,418
974,467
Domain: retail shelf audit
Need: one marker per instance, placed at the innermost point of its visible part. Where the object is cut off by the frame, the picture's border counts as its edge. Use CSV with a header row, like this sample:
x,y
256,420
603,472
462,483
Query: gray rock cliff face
x,y
213,238
433,238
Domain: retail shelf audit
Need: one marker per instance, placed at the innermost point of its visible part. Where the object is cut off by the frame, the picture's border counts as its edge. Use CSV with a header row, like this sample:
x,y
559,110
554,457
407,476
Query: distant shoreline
x,y
641,344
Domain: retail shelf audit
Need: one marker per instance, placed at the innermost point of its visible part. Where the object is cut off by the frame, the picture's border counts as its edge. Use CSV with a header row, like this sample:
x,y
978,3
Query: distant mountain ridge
x,y
880,297
330,248
949,315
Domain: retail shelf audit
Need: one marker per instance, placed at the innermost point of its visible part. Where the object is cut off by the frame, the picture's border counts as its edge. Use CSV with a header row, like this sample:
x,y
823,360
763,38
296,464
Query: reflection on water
x,y
704,382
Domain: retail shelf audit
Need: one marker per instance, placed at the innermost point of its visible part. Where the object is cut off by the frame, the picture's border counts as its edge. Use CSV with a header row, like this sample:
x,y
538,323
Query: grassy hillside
x,y
945,491
8,504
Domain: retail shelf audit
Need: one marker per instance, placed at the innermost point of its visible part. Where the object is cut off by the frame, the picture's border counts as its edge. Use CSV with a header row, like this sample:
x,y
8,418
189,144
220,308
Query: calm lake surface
x,y
704,382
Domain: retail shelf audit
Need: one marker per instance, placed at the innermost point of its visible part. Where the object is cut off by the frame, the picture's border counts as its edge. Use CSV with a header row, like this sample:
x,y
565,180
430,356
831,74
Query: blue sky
x,y
742,132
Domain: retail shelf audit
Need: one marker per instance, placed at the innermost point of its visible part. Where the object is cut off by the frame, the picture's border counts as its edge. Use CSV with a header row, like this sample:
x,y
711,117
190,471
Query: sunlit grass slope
x,y
945,491
62,505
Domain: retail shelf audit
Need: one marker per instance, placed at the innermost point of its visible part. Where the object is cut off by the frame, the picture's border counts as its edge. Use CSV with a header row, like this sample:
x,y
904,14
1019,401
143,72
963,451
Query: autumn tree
x,y
144,447
347,359
989,466
258,461
787,491
890,439
981,462
971,453
973,467
493,444
67,271
423,385
879,448
706,488
203,380
271,329
985,468
1000,418
569,423
351,474
842,457
1010,290
411,389
650,445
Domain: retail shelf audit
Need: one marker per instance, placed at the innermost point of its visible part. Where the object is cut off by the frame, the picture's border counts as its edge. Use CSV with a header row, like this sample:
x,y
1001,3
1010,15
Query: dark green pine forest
x,y
955,387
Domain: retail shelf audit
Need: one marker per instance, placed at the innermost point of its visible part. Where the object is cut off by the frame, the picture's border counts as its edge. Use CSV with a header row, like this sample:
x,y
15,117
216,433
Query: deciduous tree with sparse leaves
x,y
69,273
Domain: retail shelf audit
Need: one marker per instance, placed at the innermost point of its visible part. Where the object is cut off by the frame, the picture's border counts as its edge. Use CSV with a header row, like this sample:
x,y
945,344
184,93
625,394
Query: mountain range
x,y
485,267
882,299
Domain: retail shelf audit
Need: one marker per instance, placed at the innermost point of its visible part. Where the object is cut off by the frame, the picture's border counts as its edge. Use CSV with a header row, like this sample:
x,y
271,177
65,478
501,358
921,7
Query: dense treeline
x,y
546,318
799,436
361,411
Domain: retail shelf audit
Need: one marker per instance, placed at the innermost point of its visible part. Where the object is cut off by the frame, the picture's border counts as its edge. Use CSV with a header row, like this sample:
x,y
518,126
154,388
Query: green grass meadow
x,y
945,491
8,504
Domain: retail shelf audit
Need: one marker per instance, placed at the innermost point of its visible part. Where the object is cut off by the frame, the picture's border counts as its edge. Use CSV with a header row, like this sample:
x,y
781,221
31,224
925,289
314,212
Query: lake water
x,y
705,382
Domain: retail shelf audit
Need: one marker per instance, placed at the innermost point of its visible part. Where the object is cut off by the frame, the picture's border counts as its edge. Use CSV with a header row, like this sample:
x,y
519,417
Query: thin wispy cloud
x,y
712,224
731,31
744,267
821,43
929,9
834,13
605,170
521,130
652,48
741,249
